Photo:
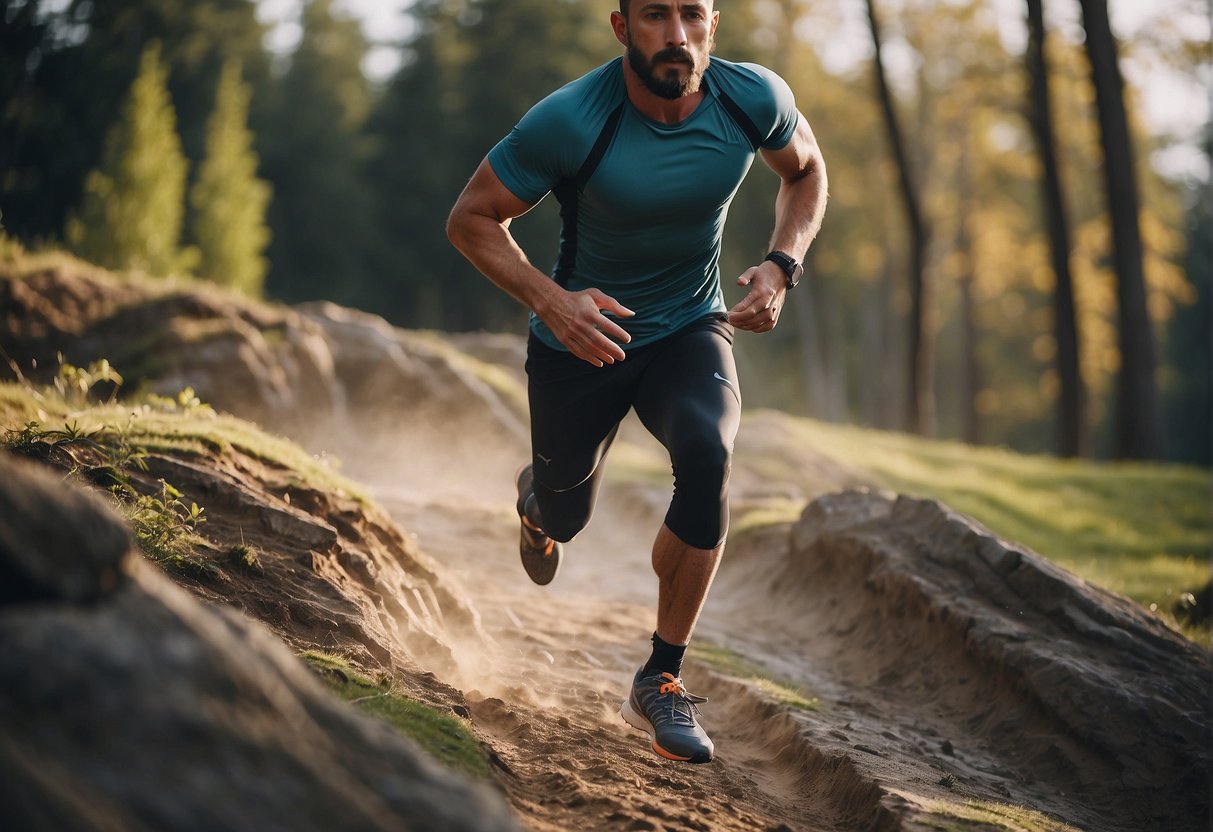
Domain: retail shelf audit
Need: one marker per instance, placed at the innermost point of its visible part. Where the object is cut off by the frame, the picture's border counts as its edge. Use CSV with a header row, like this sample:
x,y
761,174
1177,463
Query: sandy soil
x,y
907,722
545,693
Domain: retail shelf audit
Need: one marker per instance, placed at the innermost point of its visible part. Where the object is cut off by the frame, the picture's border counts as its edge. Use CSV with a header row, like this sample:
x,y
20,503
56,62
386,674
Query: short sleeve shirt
x,y
646,228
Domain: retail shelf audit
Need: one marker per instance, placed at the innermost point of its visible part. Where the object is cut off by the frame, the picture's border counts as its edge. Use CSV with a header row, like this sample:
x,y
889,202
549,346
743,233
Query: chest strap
x,y
567,191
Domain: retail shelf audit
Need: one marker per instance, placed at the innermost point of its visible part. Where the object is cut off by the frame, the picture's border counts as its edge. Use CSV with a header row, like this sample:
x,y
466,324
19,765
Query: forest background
x,y
295,175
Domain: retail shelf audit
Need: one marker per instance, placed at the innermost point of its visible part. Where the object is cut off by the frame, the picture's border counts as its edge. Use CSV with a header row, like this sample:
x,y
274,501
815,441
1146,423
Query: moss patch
x,y
730,663
443,735
985,815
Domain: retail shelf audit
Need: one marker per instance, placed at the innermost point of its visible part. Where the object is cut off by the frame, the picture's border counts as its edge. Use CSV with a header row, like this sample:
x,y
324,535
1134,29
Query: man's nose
x,y
676,33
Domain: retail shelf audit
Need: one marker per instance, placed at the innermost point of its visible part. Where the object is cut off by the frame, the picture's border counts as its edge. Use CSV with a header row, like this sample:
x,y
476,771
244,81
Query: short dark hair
x,y
623,7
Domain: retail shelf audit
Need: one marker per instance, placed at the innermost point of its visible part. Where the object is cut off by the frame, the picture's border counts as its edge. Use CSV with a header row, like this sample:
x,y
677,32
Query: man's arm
x,y
479,227
798,211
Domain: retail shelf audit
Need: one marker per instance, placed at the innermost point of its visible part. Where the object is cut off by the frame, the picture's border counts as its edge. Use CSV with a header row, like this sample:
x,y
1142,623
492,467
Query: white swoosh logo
x,y
719,377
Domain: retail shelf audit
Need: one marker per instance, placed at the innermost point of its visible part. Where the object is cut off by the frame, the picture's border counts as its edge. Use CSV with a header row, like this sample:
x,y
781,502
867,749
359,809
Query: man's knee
x,y
563,529
702,460
563,515
699,513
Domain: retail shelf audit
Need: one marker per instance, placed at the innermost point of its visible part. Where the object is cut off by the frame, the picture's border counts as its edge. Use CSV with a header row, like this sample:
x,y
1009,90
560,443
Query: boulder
x,y
127,704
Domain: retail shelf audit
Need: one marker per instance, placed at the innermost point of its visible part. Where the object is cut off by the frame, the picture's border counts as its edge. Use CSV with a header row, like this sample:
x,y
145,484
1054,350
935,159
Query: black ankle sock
x,y
666,657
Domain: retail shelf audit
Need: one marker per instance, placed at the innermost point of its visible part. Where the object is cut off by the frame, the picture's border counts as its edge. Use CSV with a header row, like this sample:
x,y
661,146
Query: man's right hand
x,y
576,320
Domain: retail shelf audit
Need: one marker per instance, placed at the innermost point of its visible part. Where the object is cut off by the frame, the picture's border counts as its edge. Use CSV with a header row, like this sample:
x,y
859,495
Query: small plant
x,y
246,556
164,526
32,433
75,383
948,781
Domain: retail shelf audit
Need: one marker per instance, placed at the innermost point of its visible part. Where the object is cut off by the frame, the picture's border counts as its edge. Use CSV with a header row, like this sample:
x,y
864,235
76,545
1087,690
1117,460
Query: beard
x,y
669,86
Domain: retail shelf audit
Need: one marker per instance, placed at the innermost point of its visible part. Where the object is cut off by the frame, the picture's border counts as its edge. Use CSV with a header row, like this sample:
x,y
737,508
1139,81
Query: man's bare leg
x,y
684,576
658,703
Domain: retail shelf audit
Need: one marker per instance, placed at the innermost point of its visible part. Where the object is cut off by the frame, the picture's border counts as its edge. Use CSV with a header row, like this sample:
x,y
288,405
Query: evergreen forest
x,y
1006,258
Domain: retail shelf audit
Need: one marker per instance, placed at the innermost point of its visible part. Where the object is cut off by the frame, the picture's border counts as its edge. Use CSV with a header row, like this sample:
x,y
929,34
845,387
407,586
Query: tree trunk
x,y
1071,421
1137,430
809,340
971,382
920,411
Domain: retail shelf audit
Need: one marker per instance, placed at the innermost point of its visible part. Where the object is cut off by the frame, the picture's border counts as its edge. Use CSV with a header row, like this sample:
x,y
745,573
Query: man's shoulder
x,y
745,81
582,103
765,99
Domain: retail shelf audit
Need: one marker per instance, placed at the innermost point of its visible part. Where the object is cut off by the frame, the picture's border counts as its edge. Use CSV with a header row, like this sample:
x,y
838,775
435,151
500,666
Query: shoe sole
x,y
636,720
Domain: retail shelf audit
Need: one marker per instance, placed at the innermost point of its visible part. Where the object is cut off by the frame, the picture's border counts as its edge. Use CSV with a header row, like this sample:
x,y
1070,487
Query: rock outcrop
x,y
315,372
127,704
1013,671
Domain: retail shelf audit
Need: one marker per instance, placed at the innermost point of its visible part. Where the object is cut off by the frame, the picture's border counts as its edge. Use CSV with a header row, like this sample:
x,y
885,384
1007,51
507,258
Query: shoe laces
x,y
673,687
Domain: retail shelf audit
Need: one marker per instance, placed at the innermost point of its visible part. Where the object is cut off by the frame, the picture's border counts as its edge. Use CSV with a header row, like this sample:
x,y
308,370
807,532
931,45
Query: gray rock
x,y
57,542
1075,684
144,709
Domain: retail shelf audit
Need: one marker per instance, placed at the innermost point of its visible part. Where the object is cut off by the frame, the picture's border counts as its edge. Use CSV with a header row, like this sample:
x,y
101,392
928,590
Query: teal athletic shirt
x,y
647,225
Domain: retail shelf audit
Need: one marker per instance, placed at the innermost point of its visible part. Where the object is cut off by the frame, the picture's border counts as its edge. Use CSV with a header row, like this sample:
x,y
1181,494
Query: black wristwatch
x,y
791,267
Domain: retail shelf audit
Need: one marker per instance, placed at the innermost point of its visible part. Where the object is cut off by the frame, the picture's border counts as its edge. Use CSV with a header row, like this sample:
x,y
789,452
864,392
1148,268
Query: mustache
x,y
673,53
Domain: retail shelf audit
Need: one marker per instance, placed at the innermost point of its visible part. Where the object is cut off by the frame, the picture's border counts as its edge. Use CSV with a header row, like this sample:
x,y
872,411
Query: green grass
x,y
771,511
157,424
441,734
1143,530
726,661
984,815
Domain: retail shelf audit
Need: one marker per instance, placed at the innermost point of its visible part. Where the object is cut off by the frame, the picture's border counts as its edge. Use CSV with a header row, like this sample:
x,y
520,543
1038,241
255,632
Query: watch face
x,y
794,277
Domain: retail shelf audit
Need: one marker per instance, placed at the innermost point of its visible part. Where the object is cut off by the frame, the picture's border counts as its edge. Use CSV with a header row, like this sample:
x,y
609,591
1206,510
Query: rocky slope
x,y
125,703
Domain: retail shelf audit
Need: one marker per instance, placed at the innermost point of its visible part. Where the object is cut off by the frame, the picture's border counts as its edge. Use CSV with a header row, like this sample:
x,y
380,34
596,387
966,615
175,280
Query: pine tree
x,y
228,200
133,203
312,148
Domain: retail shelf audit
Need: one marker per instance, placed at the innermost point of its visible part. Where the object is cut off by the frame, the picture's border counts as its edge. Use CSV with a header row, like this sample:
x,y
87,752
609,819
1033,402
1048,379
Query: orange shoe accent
x,y
672,686
547,550
662,752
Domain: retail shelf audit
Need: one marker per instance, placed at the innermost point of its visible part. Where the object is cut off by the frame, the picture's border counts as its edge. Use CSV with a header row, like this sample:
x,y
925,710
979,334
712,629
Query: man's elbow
x,y
456,225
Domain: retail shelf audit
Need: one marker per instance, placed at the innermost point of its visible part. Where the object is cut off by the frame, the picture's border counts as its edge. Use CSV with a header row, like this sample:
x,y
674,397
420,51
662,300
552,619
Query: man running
x,y
644,155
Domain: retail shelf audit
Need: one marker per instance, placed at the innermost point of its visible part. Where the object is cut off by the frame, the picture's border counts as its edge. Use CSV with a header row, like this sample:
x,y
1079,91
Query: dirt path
x,y
546,694
905,730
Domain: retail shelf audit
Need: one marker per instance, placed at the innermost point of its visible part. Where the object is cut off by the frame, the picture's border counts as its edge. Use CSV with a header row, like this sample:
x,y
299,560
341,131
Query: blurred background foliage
x,y
360,173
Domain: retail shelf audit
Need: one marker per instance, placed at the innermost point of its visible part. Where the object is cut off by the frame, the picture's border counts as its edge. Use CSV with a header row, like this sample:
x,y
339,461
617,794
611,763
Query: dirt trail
x,y
545,693
546,697
907,718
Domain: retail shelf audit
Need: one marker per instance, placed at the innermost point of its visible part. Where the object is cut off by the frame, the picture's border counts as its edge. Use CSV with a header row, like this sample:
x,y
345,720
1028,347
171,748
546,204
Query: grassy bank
x,y
1140,529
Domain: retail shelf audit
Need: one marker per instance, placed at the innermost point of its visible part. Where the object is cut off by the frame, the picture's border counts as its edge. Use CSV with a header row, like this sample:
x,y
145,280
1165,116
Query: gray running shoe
x,y
661,707
540,553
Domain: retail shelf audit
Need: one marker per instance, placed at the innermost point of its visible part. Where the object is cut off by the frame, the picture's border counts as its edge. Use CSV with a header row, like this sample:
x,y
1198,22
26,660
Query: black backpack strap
x,y
566,194
605,137
741,118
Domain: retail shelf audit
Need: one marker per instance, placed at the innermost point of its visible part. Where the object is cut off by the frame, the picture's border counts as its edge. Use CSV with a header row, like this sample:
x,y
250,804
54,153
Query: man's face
x,y
668,44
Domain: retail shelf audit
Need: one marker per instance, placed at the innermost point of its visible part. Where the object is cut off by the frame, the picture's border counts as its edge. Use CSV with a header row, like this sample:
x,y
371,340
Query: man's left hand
x,y
759,310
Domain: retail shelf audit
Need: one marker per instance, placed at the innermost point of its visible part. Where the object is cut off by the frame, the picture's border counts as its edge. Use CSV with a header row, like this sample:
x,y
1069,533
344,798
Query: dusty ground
x,y
545,693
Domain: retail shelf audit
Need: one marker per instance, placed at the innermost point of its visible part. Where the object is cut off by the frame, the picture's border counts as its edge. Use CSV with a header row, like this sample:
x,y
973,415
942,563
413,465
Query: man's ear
x,y
619,24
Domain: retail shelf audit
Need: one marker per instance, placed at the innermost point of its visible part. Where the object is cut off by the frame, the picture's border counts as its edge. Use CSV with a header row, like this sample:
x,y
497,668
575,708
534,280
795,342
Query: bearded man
x,y
644,154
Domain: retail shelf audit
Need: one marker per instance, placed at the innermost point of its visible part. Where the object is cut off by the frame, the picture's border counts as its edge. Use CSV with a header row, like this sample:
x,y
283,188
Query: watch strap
x,y
788,263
